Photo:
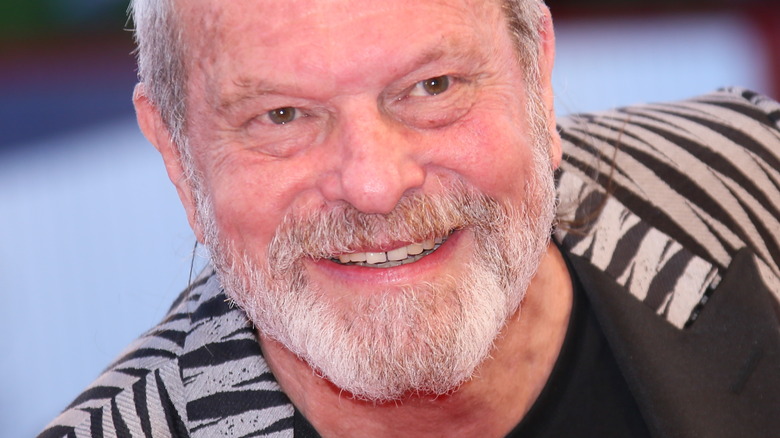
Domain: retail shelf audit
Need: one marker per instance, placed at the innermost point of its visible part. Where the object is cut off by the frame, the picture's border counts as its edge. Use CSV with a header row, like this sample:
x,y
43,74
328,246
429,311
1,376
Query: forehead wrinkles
x,y
207,31
214,27
205,21
208,15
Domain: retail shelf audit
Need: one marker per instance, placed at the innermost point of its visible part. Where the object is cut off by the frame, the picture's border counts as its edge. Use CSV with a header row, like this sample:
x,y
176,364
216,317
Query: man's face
x,y
336,140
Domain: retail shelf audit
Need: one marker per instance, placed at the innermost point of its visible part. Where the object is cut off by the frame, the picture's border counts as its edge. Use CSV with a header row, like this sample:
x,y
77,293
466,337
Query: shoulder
x,y
699,179
140,392
200,372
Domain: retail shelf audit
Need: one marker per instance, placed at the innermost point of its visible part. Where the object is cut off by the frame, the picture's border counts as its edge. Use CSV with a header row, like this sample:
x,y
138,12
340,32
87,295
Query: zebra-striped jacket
x,y
672,216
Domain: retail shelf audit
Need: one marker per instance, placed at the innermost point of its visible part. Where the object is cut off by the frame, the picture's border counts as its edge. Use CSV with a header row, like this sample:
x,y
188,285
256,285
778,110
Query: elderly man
x,y
376,184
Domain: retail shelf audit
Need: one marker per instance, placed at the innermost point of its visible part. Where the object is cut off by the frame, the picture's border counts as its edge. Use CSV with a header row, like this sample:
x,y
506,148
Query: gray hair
x,y
160,53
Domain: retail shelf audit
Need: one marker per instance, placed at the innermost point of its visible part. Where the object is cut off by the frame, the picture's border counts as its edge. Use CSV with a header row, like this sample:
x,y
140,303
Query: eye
x,y
280,116
431,86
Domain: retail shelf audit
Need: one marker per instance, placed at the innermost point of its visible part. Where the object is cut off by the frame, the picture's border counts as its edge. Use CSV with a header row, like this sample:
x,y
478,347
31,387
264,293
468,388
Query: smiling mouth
x,y
395,257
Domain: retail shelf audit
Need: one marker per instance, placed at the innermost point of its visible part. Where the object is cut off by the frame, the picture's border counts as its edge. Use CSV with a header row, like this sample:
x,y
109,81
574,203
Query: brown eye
x,y
434,86
280,116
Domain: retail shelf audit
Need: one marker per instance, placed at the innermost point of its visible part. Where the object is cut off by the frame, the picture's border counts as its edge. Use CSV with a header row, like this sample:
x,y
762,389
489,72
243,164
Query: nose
x,y
376,161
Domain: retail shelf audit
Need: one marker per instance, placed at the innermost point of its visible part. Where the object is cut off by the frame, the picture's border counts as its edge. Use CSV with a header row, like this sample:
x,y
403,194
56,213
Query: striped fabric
x,y
690,183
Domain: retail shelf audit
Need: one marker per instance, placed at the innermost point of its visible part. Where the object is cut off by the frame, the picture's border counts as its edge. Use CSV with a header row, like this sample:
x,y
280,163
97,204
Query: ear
x,y
546,61
157,133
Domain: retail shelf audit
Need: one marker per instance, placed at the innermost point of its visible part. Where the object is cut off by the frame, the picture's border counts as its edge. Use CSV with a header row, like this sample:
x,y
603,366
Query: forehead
x,y
329,37
277,17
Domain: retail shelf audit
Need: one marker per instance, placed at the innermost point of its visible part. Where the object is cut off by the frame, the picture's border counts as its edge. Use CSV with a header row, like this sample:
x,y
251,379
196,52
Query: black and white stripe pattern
x,y
692,183
199,373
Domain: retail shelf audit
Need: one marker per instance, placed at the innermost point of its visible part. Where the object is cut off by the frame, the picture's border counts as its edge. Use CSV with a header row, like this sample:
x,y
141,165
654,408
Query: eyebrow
x,y
243,88
246,88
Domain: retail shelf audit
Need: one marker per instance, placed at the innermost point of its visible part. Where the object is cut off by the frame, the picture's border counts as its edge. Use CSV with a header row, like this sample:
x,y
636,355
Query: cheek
x,y
491,152
251,197
241,214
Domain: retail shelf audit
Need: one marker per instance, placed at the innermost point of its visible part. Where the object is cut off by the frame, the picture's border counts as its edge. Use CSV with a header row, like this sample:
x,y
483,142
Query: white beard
x,y
424,339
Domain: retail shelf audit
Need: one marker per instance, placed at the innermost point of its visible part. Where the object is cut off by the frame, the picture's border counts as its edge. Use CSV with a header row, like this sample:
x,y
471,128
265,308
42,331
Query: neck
x,y
503,388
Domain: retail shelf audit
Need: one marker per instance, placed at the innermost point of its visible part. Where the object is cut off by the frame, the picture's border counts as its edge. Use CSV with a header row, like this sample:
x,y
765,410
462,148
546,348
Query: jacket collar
x,y
720,377
651,266
227,385
697,345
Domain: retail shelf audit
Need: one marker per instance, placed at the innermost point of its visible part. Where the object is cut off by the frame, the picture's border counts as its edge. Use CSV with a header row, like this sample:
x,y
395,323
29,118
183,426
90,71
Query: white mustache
x,y
343,229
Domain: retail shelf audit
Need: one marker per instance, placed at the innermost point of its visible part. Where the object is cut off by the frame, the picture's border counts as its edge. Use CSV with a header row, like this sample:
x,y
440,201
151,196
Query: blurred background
x,y
94,245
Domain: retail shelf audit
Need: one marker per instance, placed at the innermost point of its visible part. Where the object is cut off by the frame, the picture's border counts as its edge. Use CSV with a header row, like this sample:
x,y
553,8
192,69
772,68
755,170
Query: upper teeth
x,y
394,257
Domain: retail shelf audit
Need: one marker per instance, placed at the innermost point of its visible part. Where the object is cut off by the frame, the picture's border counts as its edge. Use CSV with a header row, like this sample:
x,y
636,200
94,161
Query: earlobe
x,y
154,129
546,62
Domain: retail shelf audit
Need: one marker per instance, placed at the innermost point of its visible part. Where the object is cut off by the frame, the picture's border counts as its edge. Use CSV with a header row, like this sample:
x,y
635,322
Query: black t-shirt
x,y
586,395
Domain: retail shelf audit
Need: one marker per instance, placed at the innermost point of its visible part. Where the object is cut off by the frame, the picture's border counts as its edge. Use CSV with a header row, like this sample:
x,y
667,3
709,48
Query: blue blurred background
x,y
93,242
